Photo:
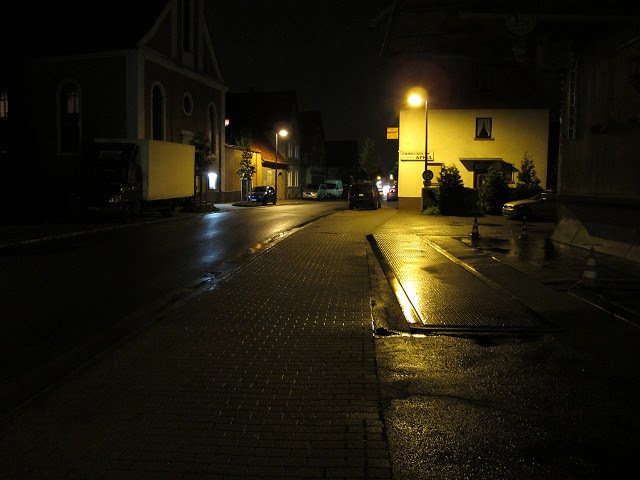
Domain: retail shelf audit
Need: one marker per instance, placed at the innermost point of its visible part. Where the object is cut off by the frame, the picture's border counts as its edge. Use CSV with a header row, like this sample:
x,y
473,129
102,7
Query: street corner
x,y
387,315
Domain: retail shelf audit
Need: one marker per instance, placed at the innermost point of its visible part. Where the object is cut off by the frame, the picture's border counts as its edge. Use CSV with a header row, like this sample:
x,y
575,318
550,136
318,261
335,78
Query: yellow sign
x,y
392,133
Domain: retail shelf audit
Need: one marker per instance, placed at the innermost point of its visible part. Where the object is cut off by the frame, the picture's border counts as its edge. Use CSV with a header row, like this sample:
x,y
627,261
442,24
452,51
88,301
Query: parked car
x,y
541,206
262,194
364,194
392,194
334,188
315,191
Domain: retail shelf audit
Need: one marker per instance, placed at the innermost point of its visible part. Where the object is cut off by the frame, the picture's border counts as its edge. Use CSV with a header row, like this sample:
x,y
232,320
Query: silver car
x,y
542,206
314,191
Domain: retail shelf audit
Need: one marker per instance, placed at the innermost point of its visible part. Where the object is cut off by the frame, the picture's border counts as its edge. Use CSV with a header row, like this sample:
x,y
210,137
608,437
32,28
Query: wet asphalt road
x,y
59,294
265,389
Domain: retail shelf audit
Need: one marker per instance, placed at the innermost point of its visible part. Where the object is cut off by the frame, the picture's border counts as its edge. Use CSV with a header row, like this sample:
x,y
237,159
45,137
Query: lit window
x,y
4,104
483,128
213,180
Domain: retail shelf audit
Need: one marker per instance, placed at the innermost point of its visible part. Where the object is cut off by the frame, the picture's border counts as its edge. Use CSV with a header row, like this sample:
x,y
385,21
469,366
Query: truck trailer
x,y
133,176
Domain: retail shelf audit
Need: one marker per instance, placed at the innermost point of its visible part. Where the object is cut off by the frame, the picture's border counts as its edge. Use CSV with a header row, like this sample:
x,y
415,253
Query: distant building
x,y
471,140
257,116
312,147
582,59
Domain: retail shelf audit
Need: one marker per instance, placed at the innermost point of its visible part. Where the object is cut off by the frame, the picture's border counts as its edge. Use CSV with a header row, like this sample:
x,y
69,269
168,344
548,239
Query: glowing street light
x,y
282,133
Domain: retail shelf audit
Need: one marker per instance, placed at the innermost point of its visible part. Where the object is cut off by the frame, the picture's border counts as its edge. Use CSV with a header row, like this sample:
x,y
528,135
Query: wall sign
x,y
416,156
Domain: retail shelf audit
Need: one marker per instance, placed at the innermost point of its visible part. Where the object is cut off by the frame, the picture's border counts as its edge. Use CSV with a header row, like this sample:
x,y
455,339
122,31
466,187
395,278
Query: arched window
x,y
157,112
69,118
212,128
4,122
187,18
4,104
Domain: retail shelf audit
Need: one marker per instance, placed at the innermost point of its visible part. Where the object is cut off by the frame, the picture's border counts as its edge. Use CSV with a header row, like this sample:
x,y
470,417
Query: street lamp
x,y
416,100
282,133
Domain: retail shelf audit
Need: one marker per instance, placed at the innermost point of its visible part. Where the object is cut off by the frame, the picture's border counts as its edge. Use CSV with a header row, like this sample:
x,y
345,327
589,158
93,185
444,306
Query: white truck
x,y
130,176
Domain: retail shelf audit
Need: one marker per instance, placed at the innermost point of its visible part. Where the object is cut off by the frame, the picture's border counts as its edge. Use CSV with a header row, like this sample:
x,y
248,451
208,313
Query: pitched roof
x,y
267,151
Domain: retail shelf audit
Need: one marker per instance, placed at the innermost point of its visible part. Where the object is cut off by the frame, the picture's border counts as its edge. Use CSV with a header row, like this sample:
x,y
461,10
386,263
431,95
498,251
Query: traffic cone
x,y
524,234
590,275
475,234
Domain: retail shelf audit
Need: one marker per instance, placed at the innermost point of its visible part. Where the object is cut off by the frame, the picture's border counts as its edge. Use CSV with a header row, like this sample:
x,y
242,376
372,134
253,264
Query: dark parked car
x,y
542,206
364,194
262,195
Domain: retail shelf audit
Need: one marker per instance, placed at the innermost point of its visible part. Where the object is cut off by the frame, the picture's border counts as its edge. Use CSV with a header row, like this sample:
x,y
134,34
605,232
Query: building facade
x,y
140,70
471,140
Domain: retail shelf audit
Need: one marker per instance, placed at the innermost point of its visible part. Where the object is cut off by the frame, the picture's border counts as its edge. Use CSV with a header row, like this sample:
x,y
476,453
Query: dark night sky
x,y
324,51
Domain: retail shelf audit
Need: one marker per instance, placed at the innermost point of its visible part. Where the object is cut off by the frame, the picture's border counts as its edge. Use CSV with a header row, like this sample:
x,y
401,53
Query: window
x,y
157,112
212,130
186,25
187,104
69,112
483,128
4,122
4,104
485,81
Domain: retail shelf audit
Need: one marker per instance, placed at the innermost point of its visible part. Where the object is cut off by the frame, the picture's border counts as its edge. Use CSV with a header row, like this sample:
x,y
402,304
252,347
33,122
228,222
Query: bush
x,y
494,192
452,192
431,211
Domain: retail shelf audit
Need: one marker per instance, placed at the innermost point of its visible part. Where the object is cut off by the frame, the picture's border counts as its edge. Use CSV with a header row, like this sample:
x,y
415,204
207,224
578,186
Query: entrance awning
x,y
482,164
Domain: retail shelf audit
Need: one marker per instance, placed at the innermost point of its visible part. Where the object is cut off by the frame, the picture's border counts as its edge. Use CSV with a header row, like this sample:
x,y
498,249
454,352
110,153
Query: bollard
x,y
524,234
590,275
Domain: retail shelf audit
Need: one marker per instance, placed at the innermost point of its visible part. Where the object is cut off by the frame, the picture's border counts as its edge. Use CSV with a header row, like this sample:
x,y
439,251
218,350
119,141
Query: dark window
x,y
186,25
483,128
187,104
212,128
157,113
69,119
4,122
485,81
4,104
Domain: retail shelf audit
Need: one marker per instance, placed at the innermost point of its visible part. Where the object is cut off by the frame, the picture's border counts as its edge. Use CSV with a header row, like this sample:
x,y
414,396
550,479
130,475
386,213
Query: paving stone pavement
x,y
271,374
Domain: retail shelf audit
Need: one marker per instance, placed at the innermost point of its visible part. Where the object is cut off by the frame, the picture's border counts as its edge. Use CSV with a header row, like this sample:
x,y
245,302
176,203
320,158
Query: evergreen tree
x,y
528,182
450,199
494,191
246,168
369,158
204,157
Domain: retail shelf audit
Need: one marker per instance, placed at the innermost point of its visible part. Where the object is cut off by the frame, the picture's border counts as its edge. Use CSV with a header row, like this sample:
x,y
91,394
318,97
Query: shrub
x,y
494,191
452,192
431,211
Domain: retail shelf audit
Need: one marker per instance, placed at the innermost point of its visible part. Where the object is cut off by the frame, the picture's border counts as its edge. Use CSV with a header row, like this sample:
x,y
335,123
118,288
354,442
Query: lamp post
x,y
416,100
282,133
